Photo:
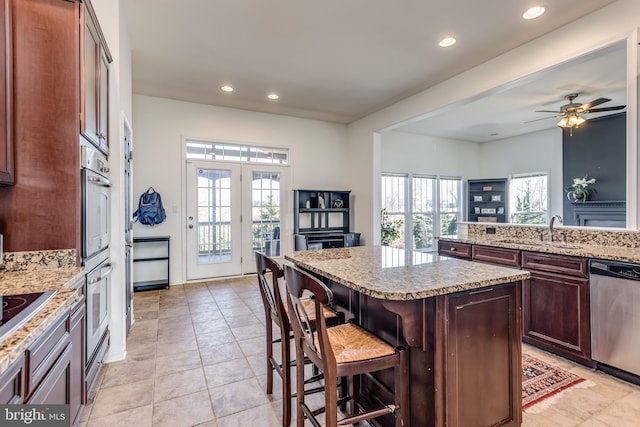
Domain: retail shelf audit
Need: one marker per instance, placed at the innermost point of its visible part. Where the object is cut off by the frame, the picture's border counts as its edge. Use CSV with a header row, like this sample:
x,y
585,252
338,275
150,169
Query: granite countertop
x,y
613,253
394,274
19,282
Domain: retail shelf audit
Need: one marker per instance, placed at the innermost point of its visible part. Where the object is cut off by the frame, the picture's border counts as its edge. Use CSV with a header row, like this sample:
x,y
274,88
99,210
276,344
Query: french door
x,y
232,210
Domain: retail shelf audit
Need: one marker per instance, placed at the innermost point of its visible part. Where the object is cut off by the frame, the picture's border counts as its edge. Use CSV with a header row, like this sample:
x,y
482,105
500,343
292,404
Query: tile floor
x,y
195,358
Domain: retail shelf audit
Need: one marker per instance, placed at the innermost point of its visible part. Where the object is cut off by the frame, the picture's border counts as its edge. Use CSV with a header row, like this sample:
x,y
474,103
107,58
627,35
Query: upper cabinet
x,y
6,98
95,60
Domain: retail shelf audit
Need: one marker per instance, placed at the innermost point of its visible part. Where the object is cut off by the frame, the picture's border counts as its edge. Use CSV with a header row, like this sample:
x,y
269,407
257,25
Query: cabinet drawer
x,y
501,256
460,250
572,266
12,383
44,352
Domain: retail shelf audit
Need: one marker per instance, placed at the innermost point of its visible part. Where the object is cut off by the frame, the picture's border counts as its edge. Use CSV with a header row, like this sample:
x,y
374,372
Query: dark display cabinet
x,y
321,220
487,200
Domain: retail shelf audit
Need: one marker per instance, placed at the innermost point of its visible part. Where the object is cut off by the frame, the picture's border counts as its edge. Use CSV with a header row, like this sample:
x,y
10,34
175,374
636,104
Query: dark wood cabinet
x,y
77,361
498,256
6,95
46,35
321,219
95,59
455,249
556,305
487,200
12,383
481,316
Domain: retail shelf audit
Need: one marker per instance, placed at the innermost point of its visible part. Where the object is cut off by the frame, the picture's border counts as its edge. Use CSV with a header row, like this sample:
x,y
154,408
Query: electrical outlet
x,y
491,230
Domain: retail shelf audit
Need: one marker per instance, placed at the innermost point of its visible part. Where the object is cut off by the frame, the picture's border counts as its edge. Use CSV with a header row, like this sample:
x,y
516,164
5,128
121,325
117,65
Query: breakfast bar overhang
x,y
461,321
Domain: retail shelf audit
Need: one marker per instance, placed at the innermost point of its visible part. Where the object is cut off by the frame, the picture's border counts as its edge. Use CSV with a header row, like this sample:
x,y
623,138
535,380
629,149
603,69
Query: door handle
x,y
190,225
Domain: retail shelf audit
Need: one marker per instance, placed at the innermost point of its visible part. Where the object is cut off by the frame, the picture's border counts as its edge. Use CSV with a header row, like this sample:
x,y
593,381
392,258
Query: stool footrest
x,y
367,415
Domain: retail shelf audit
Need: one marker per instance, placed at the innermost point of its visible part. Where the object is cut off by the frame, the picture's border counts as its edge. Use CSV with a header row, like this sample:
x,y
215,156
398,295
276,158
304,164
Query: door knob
x,y
190,225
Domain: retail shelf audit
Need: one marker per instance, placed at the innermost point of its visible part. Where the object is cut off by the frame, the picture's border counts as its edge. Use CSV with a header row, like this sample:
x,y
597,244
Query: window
x,y
528,198
225,152
429,206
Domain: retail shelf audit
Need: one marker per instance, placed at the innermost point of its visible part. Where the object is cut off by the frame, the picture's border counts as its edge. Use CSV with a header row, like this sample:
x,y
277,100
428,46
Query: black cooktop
x,y
17,309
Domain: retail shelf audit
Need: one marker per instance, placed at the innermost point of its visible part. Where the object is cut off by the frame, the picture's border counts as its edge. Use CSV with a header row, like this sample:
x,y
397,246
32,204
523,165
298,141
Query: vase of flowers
x,y
578,192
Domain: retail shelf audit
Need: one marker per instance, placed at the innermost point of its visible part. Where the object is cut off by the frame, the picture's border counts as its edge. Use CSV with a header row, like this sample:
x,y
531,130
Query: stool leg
x,y
286,379
401,380
299,385
269,354
331,399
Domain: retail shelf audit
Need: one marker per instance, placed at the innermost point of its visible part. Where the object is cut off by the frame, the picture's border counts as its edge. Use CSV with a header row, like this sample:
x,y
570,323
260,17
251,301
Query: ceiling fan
x,y
571,114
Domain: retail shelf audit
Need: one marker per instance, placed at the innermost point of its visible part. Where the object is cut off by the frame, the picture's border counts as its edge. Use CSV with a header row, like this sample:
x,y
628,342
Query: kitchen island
x,y
459,319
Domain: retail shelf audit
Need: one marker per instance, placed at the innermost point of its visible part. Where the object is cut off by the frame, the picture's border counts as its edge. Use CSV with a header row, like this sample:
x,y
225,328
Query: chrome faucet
x,y
553,218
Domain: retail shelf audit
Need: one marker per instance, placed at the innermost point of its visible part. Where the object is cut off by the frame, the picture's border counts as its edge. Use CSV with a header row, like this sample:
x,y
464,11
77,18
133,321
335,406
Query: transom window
x,y
227,152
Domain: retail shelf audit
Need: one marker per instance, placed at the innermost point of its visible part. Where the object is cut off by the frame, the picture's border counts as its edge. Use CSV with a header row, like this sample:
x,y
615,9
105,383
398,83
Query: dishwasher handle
x,y
615,269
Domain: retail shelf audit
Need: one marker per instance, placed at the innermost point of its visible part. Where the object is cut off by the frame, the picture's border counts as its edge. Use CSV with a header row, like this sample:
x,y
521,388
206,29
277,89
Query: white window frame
x,y
435,213
512,196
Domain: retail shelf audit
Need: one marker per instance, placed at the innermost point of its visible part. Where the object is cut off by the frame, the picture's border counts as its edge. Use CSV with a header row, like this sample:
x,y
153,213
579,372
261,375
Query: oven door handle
x,y
102,275
104,182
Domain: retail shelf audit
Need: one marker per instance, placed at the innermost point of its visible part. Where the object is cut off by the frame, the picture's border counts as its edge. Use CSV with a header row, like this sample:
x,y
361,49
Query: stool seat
x,y
351,343
308,304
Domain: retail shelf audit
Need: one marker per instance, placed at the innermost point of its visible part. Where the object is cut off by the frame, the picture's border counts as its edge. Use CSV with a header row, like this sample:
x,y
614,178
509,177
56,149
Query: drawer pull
x,y
452,249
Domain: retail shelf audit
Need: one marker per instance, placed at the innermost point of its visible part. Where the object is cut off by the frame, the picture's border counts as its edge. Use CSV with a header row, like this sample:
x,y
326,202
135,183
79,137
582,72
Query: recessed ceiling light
x,y
273,96
227,88
447,41
533,12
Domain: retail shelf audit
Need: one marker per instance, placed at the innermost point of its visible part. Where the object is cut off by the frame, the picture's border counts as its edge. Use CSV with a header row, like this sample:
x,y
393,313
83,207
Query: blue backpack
x,y
150,210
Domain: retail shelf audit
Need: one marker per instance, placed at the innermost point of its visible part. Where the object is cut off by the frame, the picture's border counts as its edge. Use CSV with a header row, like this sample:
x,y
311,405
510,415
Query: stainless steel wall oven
x,y
96,193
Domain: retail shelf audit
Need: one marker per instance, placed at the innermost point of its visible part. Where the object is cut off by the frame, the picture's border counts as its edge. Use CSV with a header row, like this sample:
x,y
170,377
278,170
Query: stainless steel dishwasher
x,y
615,317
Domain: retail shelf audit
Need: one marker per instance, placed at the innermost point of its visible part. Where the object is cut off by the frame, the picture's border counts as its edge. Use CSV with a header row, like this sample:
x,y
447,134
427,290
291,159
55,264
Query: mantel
x,y
612,213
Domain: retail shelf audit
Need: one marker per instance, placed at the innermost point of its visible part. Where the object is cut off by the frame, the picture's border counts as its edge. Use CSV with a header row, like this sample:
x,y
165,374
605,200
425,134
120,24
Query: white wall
x,y
410,153
533,152
159,126
606,25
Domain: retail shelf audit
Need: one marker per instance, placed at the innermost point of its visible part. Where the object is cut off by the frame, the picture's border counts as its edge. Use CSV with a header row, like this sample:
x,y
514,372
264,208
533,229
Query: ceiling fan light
x,y
564,122
576,121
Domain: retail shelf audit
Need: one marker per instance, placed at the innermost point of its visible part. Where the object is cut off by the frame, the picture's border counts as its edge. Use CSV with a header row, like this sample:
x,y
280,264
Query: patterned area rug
x,y
541,380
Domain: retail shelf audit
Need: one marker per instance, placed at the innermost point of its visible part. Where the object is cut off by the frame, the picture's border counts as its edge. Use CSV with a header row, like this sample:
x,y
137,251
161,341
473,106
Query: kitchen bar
x,y
460,320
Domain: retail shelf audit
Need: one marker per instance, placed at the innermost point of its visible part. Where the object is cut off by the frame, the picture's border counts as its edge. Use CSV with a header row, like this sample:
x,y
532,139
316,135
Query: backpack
x,y
150,210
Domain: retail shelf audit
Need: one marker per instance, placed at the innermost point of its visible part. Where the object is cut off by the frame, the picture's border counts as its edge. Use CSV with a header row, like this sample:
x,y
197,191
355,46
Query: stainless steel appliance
x,y
17,309
96,188
615,318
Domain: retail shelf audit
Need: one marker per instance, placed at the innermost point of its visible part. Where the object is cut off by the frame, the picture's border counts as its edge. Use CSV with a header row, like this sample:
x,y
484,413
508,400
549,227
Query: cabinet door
x,y
90,75
12,383
76,385
490,316
6,96
55,387
103,101
556,314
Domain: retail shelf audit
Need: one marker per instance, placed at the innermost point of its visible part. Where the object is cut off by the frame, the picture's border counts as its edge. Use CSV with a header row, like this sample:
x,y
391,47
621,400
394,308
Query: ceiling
x,y
331,60
511,111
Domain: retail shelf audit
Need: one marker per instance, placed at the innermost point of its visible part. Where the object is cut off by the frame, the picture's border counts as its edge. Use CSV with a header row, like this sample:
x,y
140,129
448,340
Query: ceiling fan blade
x,y
547,111
594,103
597,110
544,118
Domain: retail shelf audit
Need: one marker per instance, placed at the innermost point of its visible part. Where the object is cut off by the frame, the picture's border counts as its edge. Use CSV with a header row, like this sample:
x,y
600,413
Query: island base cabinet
x,y
478,341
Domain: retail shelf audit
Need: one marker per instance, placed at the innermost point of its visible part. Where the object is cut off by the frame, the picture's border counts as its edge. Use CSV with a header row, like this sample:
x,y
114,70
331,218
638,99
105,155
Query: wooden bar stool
x,y
276,312
345,350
